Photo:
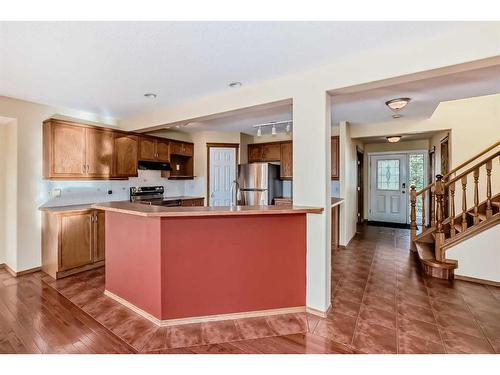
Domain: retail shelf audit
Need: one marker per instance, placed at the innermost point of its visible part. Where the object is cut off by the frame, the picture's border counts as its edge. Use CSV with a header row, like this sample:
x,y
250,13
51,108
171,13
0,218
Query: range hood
x,y
154,165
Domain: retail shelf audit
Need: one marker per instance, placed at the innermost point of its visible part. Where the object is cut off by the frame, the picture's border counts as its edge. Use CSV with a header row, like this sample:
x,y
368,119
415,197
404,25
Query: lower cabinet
x,y
72,241
192,202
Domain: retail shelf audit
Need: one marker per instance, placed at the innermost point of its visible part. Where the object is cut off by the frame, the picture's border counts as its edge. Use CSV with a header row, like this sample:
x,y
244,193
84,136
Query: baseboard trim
x,y
20,273
321,314
206,318
477,281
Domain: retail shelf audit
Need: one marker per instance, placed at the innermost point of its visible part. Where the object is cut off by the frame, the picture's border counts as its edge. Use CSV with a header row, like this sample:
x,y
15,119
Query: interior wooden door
x,y
99,155
99,236
68,151
335,158
126,149
162,151
76,245
147,149
286,168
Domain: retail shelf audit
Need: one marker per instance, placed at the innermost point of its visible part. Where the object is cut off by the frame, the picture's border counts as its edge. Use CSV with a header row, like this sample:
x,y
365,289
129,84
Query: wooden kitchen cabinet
x,y
271,152
71,151
335,158
254,153
193,202
99,152
79,151
286,161
72,241
63,150
147,149
125,155
181,148
154,149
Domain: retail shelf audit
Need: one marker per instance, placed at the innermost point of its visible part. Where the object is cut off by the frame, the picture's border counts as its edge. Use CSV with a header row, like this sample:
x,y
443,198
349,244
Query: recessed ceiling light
x,y
393,138
235,84
150,95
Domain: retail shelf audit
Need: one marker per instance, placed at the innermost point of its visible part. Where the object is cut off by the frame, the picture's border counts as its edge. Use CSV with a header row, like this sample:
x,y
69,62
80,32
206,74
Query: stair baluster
x,y
423,210
439,234
489,210
433,206
476,196
413,217
452,209
464,203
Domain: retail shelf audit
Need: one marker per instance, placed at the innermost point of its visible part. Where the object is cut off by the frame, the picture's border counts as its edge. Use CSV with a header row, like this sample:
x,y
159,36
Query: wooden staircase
x,y
441,226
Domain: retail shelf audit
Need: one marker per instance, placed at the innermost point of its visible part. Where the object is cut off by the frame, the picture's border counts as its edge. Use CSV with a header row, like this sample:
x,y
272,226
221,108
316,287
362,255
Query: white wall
x,y
479,256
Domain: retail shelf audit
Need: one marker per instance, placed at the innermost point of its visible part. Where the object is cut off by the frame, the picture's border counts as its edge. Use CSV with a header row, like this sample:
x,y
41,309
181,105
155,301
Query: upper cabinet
x,y
254,153
286,158
76,151
271,152
181,148
126,155
335,159
154,149
283,152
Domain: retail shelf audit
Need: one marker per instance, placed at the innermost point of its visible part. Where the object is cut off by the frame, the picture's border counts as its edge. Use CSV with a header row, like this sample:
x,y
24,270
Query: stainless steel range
x,y
152,195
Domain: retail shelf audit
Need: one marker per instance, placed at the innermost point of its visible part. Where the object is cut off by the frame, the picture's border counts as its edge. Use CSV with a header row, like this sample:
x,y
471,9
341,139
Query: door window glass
x,y
388,174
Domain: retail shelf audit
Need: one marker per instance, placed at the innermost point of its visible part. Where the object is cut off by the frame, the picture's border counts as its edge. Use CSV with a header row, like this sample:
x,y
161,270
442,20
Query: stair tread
x,y
425,252
481,216
458,228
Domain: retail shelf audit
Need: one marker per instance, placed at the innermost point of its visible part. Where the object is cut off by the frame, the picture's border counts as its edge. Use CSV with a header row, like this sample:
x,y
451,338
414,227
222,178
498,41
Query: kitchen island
x,y
178,265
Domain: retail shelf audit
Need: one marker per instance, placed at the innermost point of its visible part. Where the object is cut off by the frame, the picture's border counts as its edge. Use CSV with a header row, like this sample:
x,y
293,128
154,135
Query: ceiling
x,y
106,67
369,106
365,106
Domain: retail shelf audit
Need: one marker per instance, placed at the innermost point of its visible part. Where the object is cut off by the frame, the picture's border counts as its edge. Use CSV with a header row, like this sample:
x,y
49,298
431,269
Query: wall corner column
x,y
311,187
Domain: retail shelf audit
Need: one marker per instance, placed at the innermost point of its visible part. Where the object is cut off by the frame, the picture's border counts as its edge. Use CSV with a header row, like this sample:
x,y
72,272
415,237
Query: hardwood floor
x,y
382,303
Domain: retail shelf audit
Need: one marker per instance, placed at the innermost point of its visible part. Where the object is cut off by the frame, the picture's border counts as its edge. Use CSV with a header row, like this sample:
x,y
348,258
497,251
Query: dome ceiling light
x,y
396,105
394,138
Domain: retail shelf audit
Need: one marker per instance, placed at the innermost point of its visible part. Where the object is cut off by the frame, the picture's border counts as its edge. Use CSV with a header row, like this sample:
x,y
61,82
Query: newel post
x,y
413,217
439,239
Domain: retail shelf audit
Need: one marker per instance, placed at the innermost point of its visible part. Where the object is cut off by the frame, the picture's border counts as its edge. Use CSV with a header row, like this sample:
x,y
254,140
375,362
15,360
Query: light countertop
x,y
159,211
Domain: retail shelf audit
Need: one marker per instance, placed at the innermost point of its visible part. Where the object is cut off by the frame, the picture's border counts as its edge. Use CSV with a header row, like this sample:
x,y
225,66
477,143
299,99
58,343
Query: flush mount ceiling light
x,y
235,84
396,105
150,95
393,138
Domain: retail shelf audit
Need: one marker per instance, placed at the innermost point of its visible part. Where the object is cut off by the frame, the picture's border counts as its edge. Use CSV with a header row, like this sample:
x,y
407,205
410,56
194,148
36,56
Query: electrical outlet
x,y
55,193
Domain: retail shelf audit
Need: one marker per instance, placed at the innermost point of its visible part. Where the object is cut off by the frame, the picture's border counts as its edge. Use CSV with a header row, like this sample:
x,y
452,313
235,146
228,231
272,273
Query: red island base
x,y
187,269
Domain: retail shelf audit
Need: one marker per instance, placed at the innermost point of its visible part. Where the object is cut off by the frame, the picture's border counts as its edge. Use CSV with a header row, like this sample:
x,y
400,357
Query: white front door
x,y
388,193
222,174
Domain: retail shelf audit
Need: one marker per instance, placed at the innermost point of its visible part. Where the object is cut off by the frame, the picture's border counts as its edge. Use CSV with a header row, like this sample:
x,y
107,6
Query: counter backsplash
x,y
83,192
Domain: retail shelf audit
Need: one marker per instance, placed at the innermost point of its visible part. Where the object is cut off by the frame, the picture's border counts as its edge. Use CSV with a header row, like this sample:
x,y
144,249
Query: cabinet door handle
x,y
83,168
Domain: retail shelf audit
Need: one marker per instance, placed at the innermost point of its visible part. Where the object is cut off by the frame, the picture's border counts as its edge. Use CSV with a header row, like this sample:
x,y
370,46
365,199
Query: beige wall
x,y
26,227
8,192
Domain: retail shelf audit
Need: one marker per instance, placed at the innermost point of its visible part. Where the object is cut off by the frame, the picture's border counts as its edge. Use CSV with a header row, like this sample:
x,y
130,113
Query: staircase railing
x,y
444,189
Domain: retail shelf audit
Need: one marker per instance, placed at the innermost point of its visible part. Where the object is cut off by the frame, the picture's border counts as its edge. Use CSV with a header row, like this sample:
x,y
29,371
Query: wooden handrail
x,y
470,160
473,168
460,166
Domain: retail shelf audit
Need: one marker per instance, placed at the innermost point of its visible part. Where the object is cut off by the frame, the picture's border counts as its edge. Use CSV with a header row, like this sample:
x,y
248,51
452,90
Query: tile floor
x,y
381,303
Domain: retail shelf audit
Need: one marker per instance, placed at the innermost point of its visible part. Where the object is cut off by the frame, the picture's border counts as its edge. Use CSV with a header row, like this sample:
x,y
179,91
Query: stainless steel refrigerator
x,y
258,184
